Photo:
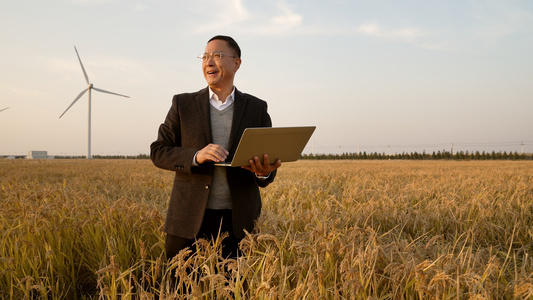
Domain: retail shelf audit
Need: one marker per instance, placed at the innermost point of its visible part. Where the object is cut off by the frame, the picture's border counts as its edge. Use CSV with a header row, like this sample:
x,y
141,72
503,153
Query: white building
x,y
39,155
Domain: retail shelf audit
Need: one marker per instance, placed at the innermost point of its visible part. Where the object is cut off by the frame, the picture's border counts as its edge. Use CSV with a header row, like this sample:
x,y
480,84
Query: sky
x,y
377,76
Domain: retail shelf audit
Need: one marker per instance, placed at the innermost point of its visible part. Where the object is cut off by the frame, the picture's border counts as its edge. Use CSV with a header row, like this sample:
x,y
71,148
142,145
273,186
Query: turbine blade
x,y
82,68
4,109
103,91
79,96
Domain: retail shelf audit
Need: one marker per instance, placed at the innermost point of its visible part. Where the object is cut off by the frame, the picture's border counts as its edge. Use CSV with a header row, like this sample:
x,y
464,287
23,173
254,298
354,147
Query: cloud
x,y
281,20
492,24
286,20
229,14
139,7
498,21
93,1
20,92
407,34
431,40
275,18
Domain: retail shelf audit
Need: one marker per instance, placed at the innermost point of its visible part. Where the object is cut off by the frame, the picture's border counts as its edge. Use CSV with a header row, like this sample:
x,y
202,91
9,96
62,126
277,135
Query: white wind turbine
x,y
89,88
3,109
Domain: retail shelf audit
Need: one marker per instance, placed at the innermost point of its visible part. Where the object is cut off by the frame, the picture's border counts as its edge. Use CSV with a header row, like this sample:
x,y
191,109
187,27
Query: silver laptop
x,y
284,143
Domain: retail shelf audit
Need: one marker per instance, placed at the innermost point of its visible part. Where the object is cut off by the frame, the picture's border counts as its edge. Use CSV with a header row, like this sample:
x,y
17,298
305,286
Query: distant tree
x,y
477,155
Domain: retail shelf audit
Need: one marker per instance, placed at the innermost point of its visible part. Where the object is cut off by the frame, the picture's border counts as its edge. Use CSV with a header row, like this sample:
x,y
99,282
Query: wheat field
x,y
78,229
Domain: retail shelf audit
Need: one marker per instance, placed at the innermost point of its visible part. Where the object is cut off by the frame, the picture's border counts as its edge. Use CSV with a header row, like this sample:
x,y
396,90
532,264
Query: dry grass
x,y
329,230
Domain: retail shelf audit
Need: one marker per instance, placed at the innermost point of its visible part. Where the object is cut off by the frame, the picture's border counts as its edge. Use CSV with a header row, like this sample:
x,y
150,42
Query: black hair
x,y
231,42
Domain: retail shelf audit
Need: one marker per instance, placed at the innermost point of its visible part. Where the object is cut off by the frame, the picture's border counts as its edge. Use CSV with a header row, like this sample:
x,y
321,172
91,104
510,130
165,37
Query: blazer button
x,y
207,186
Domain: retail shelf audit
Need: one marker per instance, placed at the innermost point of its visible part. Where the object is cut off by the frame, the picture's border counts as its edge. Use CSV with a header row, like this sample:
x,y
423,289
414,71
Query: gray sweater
x,y
219,196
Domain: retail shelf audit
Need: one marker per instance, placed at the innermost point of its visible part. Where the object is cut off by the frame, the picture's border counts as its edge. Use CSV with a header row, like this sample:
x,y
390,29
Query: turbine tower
x,y
89,88
3,109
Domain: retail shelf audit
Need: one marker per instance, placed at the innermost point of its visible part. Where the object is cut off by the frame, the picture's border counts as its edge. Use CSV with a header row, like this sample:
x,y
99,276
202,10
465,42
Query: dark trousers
x,y
215,221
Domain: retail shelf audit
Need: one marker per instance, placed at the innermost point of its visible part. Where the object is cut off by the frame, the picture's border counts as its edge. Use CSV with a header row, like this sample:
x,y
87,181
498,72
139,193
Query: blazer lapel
x,y
202,100
238,113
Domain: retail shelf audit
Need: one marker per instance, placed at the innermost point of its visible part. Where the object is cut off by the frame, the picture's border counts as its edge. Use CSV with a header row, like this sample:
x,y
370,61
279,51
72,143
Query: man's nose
x,y
210,60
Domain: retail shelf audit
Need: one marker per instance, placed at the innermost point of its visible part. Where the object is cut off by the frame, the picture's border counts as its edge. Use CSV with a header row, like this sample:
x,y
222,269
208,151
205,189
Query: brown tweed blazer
x,y
187,129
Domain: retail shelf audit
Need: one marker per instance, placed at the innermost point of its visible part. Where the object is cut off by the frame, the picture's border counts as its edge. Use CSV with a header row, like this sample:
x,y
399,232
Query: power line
x,y
453,145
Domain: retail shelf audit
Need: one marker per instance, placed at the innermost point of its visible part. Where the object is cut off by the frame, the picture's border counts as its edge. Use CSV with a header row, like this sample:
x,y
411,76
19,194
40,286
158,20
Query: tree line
x,y
140,156
439,155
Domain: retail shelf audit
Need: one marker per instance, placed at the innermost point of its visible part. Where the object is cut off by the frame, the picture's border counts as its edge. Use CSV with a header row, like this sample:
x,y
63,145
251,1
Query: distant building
x,y
12,156
39,155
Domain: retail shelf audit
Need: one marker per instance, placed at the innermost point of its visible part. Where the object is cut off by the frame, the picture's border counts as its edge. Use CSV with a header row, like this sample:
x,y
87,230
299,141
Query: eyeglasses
x,y
217,55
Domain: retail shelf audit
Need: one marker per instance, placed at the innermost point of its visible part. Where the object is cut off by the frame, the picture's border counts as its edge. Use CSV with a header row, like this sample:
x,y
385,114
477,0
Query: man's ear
x,y
238,62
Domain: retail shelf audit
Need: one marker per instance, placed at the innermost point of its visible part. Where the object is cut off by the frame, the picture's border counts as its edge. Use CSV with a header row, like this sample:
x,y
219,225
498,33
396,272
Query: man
x,y
204,128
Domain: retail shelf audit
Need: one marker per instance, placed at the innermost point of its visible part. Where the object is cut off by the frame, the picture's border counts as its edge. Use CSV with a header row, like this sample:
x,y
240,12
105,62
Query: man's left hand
x,y
263,169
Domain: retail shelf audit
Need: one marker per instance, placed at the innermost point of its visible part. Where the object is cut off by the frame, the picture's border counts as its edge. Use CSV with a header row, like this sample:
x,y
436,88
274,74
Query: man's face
x,y
219,74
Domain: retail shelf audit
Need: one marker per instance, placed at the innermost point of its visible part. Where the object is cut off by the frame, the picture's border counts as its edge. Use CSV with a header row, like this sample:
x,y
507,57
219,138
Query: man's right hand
x,y
211,152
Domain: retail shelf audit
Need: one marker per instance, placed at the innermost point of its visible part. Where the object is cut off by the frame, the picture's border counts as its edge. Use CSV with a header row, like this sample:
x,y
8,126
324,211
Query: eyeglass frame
x,y
206,56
